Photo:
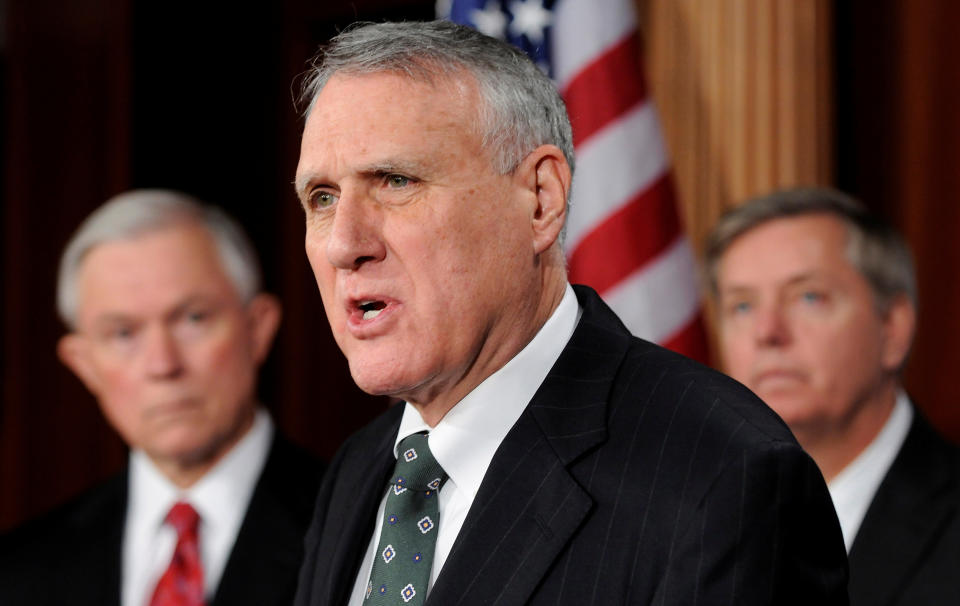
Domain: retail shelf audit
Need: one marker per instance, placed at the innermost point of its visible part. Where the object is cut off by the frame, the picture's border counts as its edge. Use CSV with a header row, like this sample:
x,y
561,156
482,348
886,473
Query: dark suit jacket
x,y
634,476
73,556
907,550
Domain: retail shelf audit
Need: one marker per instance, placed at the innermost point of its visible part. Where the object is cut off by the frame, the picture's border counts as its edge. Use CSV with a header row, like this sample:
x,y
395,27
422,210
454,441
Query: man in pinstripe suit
x,y
585,466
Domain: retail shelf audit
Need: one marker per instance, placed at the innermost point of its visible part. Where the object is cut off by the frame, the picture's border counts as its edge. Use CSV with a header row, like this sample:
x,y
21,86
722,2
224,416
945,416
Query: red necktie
x,y
182,583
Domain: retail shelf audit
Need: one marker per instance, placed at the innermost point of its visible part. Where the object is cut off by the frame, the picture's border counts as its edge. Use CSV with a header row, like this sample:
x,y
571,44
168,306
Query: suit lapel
x,y
529,506
354,507
92,574
904,518
263,563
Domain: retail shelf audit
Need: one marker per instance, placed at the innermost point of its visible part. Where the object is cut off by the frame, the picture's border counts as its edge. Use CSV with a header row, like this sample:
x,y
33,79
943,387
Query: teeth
x,y
371,313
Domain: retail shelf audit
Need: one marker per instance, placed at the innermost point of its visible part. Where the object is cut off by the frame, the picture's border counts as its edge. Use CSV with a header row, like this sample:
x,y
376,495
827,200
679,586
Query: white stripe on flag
x,y
582,29
661,298
616,164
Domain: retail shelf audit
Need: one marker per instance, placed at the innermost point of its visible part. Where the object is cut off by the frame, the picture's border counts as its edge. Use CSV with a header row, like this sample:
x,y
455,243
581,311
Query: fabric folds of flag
x,y
624,234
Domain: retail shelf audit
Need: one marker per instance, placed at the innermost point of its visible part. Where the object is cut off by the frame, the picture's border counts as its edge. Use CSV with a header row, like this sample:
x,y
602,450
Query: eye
x,y
397,181
813,297
120,333
738,308
197,316
322,198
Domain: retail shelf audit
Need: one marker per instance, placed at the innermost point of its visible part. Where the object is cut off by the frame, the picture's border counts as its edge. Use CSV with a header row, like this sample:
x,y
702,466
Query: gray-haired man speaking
x,y
542,455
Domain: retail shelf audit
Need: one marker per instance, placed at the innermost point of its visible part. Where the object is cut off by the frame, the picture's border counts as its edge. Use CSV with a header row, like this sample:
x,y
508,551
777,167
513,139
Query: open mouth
x,y
371,309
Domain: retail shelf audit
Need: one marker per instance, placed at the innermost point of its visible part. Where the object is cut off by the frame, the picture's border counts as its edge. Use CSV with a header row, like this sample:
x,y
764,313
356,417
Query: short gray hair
x,y
874,248
521,108
137,212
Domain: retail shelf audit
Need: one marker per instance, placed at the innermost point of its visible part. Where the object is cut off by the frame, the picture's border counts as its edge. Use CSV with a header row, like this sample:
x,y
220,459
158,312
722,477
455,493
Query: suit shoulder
x,y
48,546
90,511
700,394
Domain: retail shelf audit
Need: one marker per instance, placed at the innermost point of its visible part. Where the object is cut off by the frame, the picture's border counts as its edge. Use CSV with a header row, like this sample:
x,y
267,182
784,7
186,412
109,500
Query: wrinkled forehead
x,y
366,116
410,86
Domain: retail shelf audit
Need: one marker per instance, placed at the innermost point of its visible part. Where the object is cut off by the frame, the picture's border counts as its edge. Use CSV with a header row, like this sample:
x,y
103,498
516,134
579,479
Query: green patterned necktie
x,y
408,535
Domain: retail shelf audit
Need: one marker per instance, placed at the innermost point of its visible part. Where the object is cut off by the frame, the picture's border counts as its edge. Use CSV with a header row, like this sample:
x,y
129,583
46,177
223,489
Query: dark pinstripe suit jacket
x,y
907,550
72,556
634,476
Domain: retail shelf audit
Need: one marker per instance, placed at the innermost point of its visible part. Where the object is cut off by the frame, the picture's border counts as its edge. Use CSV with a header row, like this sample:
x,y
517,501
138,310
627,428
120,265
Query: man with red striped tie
x,y
542,455
167,328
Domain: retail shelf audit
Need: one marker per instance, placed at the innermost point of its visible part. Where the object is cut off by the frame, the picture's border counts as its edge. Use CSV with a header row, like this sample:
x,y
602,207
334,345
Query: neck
x,y
837,447
186,469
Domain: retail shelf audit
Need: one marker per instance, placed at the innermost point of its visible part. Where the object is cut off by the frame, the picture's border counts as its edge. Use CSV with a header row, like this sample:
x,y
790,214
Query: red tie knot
x,y
184,519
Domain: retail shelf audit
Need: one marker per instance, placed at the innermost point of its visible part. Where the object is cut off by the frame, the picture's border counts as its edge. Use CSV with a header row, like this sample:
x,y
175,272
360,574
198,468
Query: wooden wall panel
x,y
744,88
898,135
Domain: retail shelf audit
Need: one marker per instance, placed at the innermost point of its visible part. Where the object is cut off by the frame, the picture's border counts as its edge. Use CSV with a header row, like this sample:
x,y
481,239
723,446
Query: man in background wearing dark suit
x,y
168,328
542,455
816,302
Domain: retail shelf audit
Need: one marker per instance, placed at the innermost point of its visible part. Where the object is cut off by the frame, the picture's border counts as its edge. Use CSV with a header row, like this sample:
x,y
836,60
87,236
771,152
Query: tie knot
x,y
184,518
416,468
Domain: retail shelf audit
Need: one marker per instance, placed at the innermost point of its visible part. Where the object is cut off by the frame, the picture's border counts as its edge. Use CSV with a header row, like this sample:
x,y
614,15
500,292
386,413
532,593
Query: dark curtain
x,y
98,97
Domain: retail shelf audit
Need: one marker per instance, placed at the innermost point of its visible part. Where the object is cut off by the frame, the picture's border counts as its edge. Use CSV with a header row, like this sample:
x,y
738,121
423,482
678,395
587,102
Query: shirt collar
x,y
220,496
465,440
854,487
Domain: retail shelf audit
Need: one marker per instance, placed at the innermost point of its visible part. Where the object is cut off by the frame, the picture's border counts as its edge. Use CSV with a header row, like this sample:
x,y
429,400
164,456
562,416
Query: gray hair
x,y
520,110
137,212
874,248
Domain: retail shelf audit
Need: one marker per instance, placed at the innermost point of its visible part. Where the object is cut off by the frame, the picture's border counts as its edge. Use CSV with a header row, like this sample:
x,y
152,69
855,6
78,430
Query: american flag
x,y
624,234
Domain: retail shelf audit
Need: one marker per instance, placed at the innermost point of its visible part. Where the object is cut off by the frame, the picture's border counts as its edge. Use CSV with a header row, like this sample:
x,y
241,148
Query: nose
x,y
355,236
162,356
772,328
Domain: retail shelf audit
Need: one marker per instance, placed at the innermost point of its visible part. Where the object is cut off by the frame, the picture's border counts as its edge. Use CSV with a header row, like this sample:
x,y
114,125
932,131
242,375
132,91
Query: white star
x,y
529,19
442,9
491,21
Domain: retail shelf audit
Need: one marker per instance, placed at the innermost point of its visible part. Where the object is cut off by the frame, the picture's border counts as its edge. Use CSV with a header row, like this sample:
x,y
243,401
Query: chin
x,y
187,450
384,379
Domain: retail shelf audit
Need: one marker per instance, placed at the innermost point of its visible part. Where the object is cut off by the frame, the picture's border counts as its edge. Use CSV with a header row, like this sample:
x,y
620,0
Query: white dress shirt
x,y
465,440
853,489
220,498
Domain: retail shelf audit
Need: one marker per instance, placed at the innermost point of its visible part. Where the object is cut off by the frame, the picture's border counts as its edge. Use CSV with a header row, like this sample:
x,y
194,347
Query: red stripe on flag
x,y
606,88
627,239
691,340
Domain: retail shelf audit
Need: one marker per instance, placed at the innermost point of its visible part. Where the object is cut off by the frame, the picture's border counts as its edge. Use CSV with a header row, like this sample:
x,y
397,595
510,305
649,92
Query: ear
x,y
546,175
73,349
263,314
899,327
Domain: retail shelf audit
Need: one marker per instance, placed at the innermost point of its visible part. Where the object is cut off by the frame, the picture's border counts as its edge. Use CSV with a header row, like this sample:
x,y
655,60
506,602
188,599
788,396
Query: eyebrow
x,y
792,281
119,317
374,169
301,183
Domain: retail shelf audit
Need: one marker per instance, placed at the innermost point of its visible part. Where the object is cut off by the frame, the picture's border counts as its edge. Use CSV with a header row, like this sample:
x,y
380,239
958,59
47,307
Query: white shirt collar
x,y
852,490
220,497
465,440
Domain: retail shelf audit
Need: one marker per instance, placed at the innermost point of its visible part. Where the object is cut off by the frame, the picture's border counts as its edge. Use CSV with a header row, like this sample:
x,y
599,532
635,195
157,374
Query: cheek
x,y
123,400
852,357
737,352
121,387
323,272
223,367
315,256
